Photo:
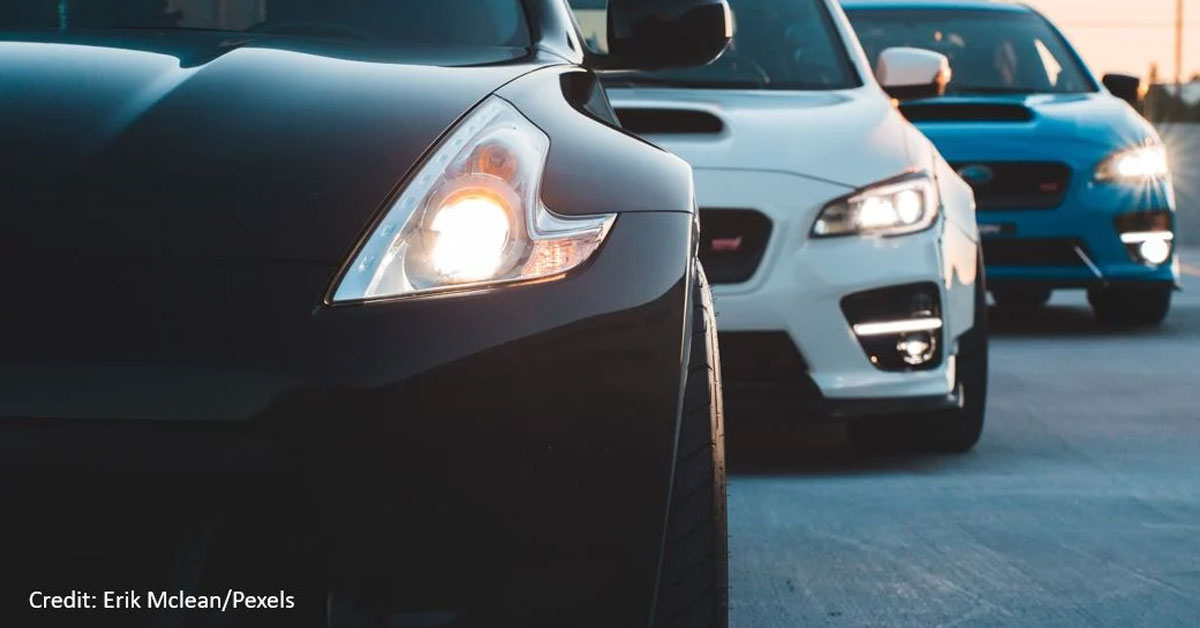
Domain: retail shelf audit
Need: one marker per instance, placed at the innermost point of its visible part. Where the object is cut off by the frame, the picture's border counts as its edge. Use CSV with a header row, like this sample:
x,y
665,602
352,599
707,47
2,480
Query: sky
x,y
1128,35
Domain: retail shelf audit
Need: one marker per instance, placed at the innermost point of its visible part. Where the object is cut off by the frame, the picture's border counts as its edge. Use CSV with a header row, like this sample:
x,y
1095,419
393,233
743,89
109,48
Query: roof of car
x,y
992,5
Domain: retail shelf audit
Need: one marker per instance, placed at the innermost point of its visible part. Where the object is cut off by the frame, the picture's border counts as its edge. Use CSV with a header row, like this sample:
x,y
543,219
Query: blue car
x,y
1072,185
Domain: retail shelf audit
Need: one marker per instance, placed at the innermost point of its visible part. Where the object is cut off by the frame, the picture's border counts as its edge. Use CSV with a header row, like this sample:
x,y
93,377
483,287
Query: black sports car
x,y
353,313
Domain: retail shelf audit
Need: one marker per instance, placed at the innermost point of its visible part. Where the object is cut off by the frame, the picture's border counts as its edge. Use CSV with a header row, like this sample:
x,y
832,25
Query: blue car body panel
x,y
1079,130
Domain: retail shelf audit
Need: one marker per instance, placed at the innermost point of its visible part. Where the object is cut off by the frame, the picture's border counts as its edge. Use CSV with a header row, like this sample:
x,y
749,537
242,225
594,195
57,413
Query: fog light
x,y
1154,247
1155,251
916,349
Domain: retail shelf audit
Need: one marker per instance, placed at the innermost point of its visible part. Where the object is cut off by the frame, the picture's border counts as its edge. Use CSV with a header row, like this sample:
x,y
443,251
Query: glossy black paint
x,y
176,207
593,166
271,149
457,453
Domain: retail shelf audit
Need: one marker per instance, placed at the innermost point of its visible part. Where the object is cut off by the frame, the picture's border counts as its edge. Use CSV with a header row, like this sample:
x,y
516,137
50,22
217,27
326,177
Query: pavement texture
x,y
1080,507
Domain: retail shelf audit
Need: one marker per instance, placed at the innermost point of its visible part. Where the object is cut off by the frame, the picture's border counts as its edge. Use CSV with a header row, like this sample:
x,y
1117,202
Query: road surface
x,y
1080,507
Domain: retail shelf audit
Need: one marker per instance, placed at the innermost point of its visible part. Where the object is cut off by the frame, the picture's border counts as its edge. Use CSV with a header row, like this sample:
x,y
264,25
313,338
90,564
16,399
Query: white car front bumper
x,y
800,283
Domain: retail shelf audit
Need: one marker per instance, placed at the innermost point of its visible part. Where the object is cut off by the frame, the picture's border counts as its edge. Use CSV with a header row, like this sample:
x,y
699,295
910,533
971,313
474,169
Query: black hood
x,y
208,145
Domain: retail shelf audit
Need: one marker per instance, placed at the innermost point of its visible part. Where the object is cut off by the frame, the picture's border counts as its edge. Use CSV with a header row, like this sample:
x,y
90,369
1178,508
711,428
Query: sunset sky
x,y
1128,35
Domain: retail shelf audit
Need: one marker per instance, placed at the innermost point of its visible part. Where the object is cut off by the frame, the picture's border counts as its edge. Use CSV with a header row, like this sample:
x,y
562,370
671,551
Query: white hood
x,y
849,137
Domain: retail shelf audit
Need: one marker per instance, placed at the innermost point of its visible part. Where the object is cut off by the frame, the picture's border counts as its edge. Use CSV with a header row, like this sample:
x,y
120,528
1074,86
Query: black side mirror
x,y
657,34
1125,87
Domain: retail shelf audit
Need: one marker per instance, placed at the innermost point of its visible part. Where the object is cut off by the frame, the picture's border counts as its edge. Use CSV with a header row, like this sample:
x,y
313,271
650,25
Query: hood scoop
x,y
966,112
659,121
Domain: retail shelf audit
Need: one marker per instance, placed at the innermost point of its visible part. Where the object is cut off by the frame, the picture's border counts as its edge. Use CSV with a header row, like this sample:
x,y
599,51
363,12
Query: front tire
x,y
694,583
1142,306
953,431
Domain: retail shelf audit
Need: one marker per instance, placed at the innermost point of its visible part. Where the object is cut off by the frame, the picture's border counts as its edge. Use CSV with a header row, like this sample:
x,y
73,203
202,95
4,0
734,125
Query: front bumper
x,y
1038,247
502,456
799,286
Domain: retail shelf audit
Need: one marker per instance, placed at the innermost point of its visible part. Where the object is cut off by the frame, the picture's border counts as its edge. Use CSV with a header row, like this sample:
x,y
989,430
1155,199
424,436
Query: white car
x,y
842,249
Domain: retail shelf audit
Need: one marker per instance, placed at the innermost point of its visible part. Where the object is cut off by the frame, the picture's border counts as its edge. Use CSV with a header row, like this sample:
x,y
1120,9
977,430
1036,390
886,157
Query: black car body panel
x,y
176,207
494,453
647,177
269,149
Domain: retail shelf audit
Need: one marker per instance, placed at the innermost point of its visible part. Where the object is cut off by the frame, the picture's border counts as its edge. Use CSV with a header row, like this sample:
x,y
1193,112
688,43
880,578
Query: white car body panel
x,y
787,154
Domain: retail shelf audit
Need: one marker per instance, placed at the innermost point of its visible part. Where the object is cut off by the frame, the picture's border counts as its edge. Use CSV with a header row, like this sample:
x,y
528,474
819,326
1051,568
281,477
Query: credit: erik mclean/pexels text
x,y
228,600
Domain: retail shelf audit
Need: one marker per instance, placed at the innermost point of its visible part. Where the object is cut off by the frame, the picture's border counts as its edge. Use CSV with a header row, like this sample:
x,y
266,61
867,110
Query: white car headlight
x,y
472,216
1135,165
896,207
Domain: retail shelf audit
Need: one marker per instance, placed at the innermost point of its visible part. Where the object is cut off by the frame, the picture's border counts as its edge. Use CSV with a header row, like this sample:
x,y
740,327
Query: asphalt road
x,y
1080,507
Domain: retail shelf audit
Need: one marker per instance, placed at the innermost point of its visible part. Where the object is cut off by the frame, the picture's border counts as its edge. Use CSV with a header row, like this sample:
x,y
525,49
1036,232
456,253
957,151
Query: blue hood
x,y
1080,129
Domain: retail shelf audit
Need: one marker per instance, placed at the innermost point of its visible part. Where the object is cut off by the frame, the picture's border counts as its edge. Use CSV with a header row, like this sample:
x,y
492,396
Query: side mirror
x,y
1125,87
913,73
657,34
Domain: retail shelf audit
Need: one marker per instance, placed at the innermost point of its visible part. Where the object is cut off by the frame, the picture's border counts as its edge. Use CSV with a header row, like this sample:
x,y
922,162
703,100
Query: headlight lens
x,y
1142,163
472,216
896,207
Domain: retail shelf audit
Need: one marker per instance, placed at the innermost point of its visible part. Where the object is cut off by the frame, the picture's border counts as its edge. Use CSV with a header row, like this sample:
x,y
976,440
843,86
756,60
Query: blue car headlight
x,y
1135,165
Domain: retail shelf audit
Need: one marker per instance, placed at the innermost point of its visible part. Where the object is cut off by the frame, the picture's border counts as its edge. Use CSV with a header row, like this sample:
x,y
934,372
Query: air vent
x,y
669,121
1059,252
966,112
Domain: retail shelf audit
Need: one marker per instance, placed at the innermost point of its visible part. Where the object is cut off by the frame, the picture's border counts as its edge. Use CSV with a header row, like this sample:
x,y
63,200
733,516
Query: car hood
x,y
207,145
1017,127
850,137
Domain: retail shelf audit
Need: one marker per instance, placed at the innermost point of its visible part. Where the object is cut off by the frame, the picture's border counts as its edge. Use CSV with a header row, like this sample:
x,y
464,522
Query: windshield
x,y
777,44
989,51
460,22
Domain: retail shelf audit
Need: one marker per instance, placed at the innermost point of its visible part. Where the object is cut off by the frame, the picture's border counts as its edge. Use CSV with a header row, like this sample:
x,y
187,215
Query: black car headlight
x,y
472,216
895,207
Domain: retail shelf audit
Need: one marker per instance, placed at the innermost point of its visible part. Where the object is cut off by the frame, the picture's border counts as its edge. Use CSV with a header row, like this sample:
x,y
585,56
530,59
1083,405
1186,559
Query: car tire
x,y
693,585
1143,306
957,431
1021,298
952,431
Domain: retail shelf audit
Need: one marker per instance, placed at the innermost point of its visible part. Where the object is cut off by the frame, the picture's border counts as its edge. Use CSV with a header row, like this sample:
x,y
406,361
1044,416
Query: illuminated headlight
x,y
1153,247
1142,163
896,207
472,217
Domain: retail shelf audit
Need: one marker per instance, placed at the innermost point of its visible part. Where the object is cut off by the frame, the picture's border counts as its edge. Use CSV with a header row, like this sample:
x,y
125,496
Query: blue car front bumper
x,y
1044,217
1078,243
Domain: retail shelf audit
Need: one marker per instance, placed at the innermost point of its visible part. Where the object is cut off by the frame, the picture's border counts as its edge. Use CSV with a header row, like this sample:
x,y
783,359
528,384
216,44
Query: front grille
x,y
732,243
1016,185
1040,252
760,357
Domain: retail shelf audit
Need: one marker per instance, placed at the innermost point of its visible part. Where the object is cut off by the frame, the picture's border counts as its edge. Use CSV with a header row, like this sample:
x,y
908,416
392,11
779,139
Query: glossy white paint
x,y
787,154
911,67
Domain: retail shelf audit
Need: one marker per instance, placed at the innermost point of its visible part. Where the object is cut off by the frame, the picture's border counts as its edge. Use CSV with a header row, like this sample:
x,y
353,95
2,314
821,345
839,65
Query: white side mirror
x,y
913,73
